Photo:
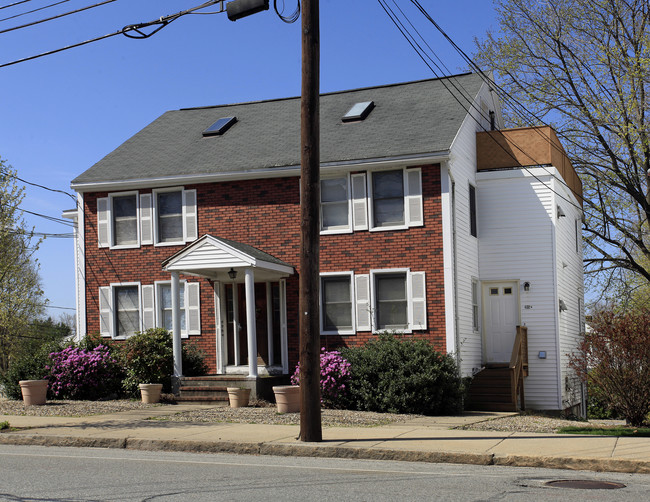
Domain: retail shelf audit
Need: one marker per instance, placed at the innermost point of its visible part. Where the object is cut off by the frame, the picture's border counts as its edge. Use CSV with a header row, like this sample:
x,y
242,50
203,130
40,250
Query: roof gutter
x,y
272,172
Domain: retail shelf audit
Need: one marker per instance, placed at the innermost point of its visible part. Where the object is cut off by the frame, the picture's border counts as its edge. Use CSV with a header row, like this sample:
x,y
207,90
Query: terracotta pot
x,y
238,397
34,392
150,392
287,398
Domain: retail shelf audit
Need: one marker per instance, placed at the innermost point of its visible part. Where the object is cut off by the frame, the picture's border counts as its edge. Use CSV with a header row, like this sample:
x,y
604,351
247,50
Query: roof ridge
x,y
332,93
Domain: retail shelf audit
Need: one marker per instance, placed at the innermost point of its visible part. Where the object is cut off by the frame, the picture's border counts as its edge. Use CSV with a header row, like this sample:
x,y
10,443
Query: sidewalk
x,y
427,439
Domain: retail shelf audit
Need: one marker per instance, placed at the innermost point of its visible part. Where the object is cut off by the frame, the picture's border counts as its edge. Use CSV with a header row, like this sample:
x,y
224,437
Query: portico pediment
x,y
213,257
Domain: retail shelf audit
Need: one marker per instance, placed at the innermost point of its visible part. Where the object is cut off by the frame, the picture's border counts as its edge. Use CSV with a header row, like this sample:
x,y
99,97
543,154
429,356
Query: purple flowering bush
x,y
76,373
334,378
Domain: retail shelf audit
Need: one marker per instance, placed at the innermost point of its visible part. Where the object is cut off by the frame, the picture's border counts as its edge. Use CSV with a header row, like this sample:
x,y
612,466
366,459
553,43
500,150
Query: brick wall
x,y
266,214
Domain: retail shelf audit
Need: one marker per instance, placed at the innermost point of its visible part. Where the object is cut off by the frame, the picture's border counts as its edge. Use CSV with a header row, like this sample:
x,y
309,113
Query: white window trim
x,y
154,216
370,195
114,309
158,305
349,274
111,230
373,298
348,228
476,284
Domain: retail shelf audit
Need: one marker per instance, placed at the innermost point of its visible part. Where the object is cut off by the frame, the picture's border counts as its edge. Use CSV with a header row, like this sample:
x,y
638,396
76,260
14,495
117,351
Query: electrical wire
x,y
33,10
165,20
13,4
291,18
7,173
417,47
41,234
33,23
61,221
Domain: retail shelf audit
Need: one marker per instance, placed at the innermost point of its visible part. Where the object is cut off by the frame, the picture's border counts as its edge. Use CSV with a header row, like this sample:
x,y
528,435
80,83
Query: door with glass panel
x,y
500,319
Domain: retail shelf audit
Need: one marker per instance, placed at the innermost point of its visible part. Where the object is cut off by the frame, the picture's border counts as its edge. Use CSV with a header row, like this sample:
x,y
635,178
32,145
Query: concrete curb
x,y
325,451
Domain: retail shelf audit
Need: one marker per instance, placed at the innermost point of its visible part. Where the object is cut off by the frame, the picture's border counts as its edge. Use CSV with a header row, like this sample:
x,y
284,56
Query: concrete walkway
x,y
427,439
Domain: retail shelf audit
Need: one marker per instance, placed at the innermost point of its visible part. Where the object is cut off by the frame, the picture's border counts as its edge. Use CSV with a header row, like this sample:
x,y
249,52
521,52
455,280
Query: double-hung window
x,y
169,212
336,304
388,199
475,305
119,310
391,301
335,204
125,220
164,301
131,219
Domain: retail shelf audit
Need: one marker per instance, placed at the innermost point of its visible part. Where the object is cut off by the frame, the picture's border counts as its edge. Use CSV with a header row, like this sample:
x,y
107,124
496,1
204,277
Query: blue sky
x,y
62,113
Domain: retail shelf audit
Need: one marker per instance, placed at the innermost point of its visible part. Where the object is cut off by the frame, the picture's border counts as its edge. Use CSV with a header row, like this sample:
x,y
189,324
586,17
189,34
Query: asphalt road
x,y
33,473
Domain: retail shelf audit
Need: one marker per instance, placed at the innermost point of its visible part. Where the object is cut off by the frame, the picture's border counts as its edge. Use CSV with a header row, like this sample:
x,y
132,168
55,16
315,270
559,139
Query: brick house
x,y
433,222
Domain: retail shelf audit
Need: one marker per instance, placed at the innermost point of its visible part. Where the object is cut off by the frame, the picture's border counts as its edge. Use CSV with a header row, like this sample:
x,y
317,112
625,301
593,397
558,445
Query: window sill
x,y
174,243
386,229
342,333
125,246
336,231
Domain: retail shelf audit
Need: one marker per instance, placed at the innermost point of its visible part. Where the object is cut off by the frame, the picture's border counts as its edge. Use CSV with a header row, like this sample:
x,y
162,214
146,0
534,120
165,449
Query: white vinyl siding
x,y
336,304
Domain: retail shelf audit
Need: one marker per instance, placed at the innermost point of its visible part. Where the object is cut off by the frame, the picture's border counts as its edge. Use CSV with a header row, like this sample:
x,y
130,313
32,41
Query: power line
x,y
13,4
33,23
41,234
410,38
7,173
50,218
33,10
162,21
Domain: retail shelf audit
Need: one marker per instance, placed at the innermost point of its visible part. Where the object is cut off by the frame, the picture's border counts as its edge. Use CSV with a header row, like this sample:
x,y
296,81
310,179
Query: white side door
x,y
500,319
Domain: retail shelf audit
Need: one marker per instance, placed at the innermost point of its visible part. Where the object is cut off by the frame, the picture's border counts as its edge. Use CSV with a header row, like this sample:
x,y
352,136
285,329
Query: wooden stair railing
x,y
519,365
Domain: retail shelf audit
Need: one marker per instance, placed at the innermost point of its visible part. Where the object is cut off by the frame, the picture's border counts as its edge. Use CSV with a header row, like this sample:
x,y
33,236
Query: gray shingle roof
x,y
409,119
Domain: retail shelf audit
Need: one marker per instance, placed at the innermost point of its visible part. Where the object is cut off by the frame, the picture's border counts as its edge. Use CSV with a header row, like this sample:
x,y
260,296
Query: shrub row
x,y
99,369
391,374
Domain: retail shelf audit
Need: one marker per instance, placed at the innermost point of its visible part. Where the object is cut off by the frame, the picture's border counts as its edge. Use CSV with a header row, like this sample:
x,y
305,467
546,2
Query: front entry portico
x,y
230,264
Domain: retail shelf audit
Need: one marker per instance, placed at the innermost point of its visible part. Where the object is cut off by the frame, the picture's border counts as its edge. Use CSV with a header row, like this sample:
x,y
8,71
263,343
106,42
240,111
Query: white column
x,y
269,321
250,322
176,326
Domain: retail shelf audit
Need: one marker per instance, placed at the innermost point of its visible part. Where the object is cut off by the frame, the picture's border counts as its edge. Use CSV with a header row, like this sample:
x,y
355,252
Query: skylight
x,y
359,111
220,126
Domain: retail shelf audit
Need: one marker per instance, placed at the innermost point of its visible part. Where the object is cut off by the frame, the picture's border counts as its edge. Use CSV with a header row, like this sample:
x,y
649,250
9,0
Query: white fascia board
x,y
69,214
272,172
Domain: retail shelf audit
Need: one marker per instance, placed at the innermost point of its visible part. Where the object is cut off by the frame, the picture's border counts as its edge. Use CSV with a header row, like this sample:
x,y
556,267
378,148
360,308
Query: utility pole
x,y
310,413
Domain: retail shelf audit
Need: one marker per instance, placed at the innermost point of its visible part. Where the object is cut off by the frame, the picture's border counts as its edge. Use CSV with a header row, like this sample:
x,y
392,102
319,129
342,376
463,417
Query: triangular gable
x,y
213,253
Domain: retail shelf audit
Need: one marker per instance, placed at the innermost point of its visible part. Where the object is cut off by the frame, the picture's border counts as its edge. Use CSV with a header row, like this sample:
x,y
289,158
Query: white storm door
x,y
500,319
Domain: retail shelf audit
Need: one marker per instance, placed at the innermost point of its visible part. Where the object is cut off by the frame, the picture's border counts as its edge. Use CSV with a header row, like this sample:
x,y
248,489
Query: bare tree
x,y
583,66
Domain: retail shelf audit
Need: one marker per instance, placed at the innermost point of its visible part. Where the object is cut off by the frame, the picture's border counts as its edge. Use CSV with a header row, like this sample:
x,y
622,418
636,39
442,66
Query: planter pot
x,y
34,392
150,392
238,397
287,398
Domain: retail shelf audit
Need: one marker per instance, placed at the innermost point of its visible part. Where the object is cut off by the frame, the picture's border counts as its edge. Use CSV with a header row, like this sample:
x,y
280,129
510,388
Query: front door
x,y
500,319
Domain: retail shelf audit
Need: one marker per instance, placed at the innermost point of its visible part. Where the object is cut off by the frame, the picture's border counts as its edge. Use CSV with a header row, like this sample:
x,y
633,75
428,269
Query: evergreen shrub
x,y
396,374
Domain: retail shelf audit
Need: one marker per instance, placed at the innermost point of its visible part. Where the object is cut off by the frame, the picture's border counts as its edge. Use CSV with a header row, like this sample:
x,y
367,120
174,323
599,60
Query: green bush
x,y
401,375
28,366
148,357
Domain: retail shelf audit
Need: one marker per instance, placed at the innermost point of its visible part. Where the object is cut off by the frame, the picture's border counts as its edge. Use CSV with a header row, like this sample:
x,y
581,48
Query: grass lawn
x,y
607,431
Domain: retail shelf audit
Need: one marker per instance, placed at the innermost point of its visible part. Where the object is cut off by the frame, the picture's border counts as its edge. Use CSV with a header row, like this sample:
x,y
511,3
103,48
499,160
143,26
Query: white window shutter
x,y
417,285
190,231
103,219
414,212
148,310
146,220
193,307
362,298
105,311
359,202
